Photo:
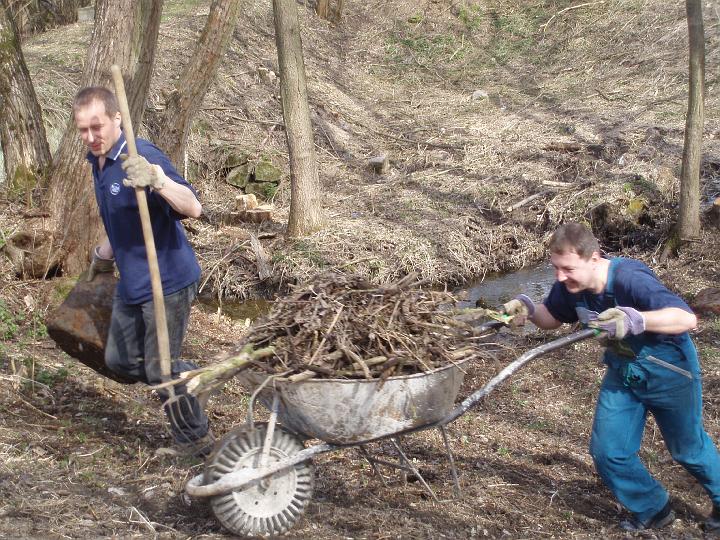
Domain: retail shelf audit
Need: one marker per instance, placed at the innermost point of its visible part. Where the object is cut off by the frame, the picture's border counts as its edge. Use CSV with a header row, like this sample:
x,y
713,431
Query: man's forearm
x,y
669,320
179,197
543,319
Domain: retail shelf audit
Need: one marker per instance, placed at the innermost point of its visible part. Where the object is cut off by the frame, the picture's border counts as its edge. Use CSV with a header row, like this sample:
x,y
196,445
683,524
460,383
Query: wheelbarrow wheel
x,y
270,506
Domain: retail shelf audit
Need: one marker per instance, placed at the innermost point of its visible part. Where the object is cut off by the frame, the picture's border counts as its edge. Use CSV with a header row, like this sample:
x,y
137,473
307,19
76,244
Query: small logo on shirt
x,y
115,188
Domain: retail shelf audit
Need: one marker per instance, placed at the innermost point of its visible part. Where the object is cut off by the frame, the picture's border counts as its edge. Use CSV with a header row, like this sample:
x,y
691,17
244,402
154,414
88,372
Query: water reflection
x,y
496,289
236,310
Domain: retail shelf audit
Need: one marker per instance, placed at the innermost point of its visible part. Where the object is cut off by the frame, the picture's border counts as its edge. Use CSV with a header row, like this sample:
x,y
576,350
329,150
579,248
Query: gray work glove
x,y
520,308
619,322
140,173
98,265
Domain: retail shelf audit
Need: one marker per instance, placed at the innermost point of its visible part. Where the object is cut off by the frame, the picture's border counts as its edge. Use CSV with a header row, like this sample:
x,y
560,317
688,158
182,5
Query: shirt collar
x,y
118,147
114,152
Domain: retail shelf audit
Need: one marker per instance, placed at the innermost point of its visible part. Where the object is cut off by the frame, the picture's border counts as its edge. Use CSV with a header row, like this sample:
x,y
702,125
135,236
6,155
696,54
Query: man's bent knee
x,y
119,365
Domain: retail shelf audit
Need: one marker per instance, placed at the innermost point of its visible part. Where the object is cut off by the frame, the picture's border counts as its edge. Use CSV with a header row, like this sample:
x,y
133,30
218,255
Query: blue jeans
x,y
628,392
132,351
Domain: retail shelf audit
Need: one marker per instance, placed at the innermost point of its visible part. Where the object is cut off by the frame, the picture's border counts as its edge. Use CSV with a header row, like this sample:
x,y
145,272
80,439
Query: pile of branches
x,y
343,326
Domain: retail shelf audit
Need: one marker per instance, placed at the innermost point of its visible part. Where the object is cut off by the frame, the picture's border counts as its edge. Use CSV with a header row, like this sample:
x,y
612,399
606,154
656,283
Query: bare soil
x,y
78,453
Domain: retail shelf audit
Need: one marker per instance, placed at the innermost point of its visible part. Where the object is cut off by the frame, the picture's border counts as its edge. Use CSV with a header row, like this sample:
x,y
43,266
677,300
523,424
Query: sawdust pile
x,y
346,327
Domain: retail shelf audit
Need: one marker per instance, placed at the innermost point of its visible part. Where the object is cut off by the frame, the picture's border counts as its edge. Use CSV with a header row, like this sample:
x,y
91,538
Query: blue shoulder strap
x,y
610,286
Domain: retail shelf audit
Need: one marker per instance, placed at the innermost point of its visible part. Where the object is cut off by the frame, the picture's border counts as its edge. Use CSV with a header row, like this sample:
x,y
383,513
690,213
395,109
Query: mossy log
x,y
203,381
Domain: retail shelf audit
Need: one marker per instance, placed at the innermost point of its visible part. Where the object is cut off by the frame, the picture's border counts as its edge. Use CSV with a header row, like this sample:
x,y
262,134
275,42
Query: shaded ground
x,y
77,453
79,461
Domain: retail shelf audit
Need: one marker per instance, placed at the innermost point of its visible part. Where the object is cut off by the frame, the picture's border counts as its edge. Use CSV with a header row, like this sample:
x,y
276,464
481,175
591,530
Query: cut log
x,y
259,214
243,203
33,253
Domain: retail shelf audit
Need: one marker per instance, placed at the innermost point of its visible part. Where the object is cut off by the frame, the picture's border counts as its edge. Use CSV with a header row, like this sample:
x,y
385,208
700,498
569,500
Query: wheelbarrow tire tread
x,y
262,509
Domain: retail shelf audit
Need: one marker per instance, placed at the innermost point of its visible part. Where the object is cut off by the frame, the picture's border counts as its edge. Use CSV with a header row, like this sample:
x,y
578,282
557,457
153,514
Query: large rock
x,y
267,172
235,158
80,325
707,301
239,176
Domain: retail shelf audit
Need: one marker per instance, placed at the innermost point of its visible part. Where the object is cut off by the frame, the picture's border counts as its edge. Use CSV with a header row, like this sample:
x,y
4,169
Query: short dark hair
x,y
87,95
574,237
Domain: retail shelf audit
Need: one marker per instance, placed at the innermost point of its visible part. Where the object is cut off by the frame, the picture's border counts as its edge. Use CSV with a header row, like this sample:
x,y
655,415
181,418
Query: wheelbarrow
x,y
259,478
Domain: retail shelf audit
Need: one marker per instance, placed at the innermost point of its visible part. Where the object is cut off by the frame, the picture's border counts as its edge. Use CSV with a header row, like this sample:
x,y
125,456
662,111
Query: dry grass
x,y
397,78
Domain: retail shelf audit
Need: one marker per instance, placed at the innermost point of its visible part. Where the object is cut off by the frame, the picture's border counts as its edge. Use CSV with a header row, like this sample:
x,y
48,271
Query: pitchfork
x,y
177,407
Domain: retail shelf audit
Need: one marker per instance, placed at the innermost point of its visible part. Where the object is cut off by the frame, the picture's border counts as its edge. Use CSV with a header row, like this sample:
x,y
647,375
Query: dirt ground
x,y
570,105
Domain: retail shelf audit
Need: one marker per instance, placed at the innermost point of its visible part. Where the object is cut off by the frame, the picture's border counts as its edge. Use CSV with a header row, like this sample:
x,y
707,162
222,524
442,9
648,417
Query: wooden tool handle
x,y
157,291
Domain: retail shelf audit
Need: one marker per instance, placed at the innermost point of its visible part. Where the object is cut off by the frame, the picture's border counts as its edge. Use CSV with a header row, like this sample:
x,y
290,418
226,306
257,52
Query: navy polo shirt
x,y
634,285
121,217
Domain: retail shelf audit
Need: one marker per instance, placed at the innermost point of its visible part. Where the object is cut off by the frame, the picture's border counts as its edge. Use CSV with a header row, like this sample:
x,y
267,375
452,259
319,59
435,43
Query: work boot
x,y
712,523
663,518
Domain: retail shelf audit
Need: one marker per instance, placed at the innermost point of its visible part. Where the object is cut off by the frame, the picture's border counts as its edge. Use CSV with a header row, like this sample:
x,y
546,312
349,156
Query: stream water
x,y
491,292
239,311
496,289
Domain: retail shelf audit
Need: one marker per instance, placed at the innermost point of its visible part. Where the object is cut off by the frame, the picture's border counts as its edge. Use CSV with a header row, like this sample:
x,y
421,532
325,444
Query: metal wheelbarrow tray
x,y
352,411
260,476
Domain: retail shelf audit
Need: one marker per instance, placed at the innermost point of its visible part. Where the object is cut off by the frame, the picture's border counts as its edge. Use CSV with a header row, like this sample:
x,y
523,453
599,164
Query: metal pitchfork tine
x,y
177,406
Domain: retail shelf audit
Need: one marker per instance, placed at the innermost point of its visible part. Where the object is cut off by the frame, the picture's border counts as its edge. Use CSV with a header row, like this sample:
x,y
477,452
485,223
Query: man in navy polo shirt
x,y
652,367
132,347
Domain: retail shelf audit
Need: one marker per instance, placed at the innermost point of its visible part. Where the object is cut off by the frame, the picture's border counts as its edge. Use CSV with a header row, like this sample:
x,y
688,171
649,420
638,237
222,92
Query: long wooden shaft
x,y
157,291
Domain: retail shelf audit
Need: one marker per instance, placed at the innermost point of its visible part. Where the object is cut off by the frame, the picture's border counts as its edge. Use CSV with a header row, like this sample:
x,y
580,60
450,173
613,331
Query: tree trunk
x,y
339,9
322,8
125,34
305,213
22,133
187,96
32,16
689,219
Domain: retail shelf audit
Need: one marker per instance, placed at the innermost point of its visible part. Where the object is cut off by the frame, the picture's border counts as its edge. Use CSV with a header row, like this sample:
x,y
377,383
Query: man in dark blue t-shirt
x,y
652,367
132,347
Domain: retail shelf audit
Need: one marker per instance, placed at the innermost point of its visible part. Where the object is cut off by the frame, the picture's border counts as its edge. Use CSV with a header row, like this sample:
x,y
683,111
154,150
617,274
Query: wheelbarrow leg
x,y
451,458
269,433
410,466
372,462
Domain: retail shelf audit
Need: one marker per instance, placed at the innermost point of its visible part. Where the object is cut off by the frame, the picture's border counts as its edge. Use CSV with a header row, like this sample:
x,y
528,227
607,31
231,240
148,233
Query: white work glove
x,y
140,173
99,265
519,308
620,321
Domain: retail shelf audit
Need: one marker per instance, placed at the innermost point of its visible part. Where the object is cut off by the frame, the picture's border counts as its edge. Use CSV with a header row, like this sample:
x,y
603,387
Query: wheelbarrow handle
x,y
474,398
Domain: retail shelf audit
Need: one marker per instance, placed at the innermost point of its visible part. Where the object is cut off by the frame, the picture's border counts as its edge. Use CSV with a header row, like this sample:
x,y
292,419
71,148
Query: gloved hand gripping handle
x,y
157,291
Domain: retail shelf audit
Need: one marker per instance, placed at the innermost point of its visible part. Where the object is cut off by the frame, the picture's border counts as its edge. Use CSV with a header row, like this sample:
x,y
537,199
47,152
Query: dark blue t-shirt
x,y
633,285
121,217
